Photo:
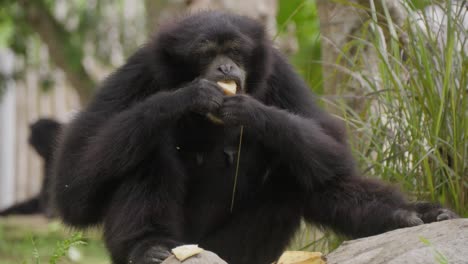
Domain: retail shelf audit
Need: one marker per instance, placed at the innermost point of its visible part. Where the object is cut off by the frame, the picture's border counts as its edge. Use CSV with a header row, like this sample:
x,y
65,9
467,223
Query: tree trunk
x,y
63,52
340,24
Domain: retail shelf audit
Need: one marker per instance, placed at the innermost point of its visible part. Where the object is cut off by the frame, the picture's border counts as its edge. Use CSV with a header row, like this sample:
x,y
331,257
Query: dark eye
x,y
204,46
204,42
235,52
209,53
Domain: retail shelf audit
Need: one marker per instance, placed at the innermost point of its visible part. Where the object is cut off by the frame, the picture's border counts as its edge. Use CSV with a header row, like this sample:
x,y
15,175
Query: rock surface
x,y
205,257
441,242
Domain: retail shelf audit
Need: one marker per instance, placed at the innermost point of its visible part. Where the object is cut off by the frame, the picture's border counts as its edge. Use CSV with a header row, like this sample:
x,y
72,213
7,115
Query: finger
x,y
231,102
228,116
443,217
214,104
218,90
215,86
445,214
235,97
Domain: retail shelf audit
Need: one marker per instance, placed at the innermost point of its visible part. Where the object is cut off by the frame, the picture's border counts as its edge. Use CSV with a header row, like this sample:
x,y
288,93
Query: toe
x,y
445,214
443,217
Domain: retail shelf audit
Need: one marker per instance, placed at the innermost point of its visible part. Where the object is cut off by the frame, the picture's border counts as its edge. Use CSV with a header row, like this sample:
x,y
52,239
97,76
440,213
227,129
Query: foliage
x,y
418,4
62,247
31,241
303,15
413,130
71,34
438,256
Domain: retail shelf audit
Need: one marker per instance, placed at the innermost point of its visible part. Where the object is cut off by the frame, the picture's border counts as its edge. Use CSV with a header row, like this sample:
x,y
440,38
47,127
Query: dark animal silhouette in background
x,y
43,135
144,160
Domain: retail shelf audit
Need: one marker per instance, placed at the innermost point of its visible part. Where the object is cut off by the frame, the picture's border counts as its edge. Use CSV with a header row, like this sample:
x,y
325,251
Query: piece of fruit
x,y
186,251
301,257
229,86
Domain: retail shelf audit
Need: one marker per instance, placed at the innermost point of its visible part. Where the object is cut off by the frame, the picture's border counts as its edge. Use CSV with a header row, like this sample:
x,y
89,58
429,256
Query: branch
x,y
64,53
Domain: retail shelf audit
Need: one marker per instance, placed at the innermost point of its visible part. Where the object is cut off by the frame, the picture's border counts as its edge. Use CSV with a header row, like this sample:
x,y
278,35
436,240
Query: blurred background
x,y
395,71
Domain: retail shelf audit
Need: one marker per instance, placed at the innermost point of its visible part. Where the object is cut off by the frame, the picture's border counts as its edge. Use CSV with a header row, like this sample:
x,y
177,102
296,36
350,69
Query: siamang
x,y
43,135
143,159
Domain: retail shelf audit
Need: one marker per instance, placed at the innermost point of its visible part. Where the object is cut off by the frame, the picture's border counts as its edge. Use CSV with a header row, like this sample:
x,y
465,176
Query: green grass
x,y
32,240
413,129
439,257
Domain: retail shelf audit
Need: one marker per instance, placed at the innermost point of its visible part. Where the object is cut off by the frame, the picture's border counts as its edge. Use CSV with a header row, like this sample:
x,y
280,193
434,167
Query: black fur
x,y
42,138
143,159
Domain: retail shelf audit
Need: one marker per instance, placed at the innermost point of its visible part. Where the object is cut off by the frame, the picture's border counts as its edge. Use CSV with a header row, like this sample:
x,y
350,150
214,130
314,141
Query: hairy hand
x,y
423,213
405,218
243,109
204,96
430,212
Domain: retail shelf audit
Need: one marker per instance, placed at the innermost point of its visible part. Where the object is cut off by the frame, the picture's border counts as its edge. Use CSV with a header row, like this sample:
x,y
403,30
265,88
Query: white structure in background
x,y
22,103
434,19
7,132
25,102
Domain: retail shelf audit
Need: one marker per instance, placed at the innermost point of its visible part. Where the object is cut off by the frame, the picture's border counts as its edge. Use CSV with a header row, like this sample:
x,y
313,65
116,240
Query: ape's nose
x,y
225,68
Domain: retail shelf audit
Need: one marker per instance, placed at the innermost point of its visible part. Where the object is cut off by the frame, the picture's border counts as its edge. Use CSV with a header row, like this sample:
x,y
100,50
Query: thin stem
x,y
237,167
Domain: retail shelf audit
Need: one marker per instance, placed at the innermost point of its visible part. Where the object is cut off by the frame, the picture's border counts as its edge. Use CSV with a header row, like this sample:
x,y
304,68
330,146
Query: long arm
x,y
303,137
313,146
30,206
359,207
305,146
90,163
122,127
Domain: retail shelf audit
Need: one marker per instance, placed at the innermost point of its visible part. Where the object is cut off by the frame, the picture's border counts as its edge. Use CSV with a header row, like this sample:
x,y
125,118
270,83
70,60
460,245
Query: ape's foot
x,y
422,213
430,212
405,218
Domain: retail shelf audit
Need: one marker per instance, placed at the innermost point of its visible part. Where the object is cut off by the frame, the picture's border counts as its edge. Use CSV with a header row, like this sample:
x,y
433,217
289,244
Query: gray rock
x,y
441,242
205,257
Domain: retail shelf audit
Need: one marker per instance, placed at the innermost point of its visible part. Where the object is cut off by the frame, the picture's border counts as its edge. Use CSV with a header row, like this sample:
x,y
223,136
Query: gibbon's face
x,y
214,48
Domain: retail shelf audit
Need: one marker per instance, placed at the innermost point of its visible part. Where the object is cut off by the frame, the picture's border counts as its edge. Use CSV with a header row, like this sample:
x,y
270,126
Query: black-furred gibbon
x,y
43,135
146,160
